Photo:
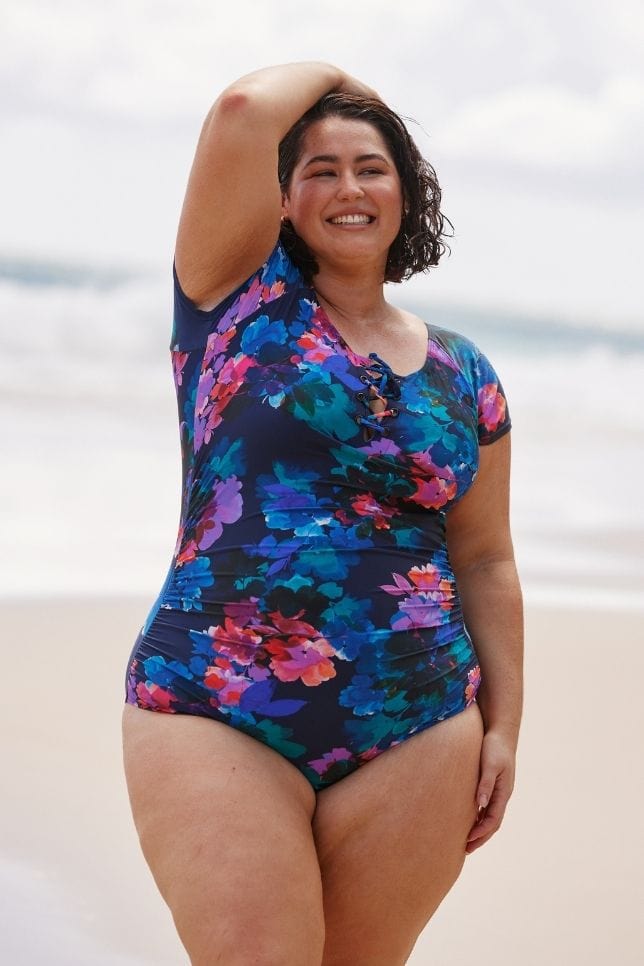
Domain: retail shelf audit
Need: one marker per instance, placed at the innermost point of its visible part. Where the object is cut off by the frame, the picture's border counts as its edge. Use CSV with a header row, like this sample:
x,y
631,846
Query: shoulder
x,y
462,351
458,352
473,368
270,281
279,267
277,270
458,347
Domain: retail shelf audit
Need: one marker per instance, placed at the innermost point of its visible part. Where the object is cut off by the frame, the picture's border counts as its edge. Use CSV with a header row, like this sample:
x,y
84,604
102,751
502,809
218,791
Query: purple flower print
x,y
428,597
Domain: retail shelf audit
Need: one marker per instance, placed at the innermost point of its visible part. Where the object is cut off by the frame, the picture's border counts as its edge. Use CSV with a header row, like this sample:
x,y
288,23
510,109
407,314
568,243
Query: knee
x,y
283,951
259,947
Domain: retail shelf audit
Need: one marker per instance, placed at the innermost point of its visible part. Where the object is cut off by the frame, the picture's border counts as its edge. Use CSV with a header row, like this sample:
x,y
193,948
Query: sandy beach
x,y
560,883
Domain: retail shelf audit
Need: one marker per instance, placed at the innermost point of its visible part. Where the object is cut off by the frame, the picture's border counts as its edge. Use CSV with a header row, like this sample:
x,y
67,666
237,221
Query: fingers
x,y
489,819
354,86
493,790
482,831
485,789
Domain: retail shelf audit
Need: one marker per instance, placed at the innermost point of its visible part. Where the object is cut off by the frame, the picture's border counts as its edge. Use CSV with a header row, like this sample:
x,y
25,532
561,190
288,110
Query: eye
x,y
371,171
321,174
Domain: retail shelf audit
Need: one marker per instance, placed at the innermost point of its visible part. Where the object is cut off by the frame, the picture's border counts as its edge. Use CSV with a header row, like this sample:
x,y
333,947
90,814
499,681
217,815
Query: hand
x,y
351,85
496,784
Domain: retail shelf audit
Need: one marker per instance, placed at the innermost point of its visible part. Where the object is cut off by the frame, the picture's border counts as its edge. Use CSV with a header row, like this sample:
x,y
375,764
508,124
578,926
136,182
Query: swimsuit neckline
x,y
355,357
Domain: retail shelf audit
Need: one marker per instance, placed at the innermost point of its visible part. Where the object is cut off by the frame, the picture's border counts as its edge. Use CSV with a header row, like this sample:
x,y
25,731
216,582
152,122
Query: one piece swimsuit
x,y
310,600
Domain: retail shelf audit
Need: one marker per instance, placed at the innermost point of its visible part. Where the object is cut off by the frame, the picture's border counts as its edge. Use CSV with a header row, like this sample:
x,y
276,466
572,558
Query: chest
x,y
290,390
296,394
404,350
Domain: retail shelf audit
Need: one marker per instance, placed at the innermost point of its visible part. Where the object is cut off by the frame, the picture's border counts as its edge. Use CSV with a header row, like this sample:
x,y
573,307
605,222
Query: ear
x,y
285,207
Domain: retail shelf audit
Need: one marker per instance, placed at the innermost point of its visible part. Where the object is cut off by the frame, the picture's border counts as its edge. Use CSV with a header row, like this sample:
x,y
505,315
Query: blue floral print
x,y
310,600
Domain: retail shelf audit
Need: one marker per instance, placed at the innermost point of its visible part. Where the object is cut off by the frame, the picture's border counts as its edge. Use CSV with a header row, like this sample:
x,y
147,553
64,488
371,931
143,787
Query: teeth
x,y
351,220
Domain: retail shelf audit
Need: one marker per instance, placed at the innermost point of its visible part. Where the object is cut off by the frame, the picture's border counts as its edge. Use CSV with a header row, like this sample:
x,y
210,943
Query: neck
x,y
355,298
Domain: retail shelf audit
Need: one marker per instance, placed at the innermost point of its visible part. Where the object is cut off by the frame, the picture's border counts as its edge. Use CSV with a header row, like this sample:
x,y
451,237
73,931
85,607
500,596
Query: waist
x,y
373,587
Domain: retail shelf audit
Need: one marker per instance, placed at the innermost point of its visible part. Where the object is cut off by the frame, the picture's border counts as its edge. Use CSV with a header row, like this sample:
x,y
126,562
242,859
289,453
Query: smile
x,y
352,220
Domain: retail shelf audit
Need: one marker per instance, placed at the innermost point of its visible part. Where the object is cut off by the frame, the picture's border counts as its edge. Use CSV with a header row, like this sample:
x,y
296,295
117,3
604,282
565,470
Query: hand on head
x,y
351,85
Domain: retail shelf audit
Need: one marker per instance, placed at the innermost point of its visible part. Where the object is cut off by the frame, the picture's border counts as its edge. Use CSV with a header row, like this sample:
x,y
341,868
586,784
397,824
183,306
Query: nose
x,y
349,187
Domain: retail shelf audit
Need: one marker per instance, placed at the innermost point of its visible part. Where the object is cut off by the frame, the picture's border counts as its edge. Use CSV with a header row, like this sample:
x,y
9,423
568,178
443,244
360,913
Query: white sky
x,y
532,113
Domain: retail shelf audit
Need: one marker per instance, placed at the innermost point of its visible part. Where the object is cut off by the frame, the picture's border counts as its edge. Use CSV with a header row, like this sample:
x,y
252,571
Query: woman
x,y
341,722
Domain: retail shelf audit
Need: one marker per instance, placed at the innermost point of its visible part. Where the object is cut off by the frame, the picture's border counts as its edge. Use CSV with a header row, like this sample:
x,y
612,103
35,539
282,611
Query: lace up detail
x,y
383,386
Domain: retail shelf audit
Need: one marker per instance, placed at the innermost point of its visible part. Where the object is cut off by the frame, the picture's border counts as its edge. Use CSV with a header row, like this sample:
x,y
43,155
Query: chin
x,y
354,256
349,247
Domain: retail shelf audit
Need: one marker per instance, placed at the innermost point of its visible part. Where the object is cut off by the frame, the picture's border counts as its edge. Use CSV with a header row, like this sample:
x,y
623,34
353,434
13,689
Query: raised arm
x,y
230,218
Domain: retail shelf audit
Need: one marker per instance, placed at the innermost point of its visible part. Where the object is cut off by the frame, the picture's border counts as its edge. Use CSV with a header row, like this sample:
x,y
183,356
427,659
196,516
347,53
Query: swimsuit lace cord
x,y
380,377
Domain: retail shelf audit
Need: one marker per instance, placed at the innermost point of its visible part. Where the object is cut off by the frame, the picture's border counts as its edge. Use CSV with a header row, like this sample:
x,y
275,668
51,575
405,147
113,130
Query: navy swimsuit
x,y
310,600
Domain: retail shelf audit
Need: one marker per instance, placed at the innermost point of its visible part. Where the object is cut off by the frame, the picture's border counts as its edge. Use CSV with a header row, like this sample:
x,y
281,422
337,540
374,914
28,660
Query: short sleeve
x,y
192,326
492,405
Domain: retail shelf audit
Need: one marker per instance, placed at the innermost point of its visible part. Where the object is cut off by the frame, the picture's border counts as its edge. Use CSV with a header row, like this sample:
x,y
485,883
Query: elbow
x,y
499,563
473,551
237,101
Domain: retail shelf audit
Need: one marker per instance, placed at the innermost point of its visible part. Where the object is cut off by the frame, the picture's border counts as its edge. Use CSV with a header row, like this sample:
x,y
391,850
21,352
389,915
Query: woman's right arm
x,y
230,218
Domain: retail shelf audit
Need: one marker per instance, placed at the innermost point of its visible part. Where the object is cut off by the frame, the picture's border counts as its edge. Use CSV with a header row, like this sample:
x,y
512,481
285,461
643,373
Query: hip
x,y
247,657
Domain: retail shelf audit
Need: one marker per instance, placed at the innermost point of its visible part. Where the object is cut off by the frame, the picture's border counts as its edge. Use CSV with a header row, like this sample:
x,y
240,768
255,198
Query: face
x,y
345,168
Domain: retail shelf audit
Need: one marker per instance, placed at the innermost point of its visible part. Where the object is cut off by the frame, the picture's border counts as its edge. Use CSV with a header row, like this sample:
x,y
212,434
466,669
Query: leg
x,y
391,841
225,826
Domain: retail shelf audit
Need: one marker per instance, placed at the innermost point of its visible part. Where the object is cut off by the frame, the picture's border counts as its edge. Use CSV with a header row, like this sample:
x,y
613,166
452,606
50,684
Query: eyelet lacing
x,y
384,385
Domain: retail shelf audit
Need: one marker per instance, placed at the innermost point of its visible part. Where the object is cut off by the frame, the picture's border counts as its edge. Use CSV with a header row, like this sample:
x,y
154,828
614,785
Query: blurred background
x,y
532,116
531,113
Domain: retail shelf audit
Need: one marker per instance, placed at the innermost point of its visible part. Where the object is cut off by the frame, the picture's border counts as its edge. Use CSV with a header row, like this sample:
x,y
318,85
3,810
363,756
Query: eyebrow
x,y
333,158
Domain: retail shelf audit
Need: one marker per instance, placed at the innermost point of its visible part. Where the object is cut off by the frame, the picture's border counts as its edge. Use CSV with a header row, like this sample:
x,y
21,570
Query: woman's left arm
x,y
482,557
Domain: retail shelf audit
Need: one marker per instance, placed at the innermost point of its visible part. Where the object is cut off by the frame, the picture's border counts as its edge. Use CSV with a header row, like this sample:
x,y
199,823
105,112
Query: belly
x,y
342,580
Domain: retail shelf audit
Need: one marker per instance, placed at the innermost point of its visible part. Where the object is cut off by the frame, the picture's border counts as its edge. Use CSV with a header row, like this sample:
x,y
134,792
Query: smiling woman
x,y
347,205
340,625
418,243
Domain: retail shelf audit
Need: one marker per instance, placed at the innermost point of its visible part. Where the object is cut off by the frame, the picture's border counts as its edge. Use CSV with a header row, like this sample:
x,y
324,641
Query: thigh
x,y
224,823
391,841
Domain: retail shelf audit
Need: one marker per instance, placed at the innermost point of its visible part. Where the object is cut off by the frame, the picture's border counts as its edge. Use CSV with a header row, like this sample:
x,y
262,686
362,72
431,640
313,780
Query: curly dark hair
x,y
419,243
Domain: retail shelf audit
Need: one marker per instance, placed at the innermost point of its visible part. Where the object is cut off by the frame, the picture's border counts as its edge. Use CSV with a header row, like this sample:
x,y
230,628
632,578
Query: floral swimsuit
x,y
310,600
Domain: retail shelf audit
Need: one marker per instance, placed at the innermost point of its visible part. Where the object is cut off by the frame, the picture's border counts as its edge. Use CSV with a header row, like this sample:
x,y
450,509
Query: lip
x,y
343,214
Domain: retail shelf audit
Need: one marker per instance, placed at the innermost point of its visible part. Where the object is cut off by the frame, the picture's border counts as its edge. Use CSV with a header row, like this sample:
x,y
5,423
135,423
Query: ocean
x,y
90,495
